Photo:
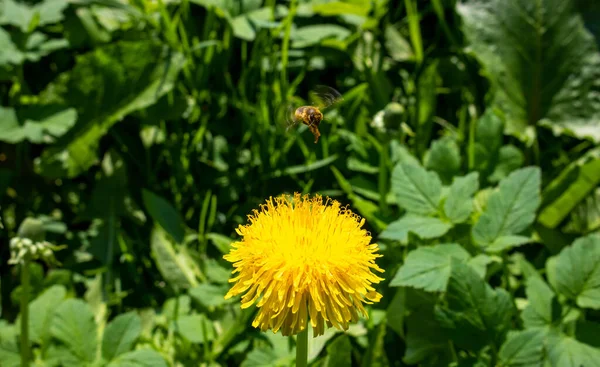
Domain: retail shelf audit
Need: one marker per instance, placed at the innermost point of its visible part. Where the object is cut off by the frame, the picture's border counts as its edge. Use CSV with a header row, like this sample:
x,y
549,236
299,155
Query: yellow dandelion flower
x,y
302,257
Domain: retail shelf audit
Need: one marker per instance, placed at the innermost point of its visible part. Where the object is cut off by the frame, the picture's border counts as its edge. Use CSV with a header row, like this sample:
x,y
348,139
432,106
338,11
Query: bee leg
x,y
315,130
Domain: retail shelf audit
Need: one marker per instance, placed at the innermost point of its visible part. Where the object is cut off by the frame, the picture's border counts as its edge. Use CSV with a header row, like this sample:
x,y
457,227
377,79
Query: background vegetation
x,y
140,133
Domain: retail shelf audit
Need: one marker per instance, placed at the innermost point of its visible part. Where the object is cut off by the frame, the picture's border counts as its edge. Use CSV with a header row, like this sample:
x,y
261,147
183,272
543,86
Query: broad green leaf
x,y
510,209
120,335
418,190
504,243
195,328
542,308
428,268
221,242
59,355
174,308
567,190
27,18
175,268
459,203
488,142
524,348
311,35
139,358
510,158
164,214
587,332
575,272
398,47
396,311
475,315
105,85
209,295
41,124
10,55
564,351
424,227
73,324
339,352
541,60
444,158
41,312
9,349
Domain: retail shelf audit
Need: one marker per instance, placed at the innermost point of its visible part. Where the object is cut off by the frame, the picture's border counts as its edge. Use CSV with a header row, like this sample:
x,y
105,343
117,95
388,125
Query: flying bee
x,y
311,116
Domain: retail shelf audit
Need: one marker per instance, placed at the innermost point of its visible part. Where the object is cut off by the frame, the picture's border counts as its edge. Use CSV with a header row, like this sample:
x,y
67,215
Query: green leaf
x,y
428,268
195,328
28,17
541,60
542,308
418,190
164,214
9,349
74,325
209,295
424,227
311,35
511,209
41,312
339,352
58,355
488,142
139,358
174,267
575,272
504,243
398,47
42,123
565,351
475,315
523,348
425,340
444,158
459,203
510,158
571,187
105,85
120,335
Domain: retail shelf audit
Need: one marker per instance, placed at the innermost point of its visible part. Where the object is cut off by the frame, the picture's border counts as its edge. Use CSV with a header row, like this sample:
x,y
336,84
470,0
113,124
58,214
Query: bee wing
x,y
290,117
323,96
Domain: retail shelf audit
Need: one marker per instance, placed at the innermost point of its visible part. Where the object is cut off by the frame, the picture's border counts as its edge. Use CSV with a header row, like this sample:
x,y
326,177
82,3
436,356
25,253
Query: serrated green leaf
x,y
120,335
139,358
575,272
523,348
418,190
74,325
542,61
428,268
459,203
175,269
105,85
424,227
164,214
27,17
504,243
510,158
542,308
444,158
512,208
195,328
475,315
564,351
41,311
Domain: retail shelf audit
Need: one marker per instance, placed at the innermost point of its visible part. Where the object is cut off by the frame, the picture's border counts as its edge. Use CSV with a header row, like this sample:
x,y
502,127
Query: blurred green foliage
x,y
140,133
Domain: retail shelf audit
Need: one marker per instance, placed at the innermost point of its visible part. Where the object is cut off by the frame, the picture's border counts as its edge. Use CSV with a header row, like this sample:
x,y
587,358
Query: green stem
x,y
302,348
25,312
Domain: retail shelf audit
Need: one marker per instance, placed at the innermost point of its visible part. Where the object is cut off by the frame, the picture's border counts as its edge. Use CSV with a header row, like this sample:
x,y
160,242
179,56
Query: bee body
x,y
312,116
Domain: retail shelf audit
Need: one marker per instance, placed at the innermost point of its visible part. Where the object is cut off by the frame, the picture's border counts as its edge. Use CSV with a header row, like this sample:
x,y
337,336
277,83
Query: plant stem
x,y
25,312
302,348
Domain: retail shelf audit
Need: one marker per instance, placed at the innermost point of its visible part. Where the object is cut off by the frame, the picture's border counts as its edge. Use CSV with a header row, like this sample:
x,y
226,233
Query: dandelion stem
x,y
25,312
302,348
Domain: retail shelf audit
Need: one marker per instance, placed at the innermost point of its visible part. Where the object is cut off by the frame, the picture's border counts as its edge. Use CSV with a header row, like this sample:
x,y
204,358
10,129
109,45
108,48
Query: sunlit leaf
x,y
418,190
424,227
73,324
120,335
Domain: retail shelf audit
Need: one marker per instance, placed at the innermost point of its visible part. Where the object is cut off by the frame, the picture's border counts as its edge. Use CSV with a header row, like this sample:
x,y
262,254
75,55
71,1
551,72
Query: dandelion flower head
x,y
302,257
